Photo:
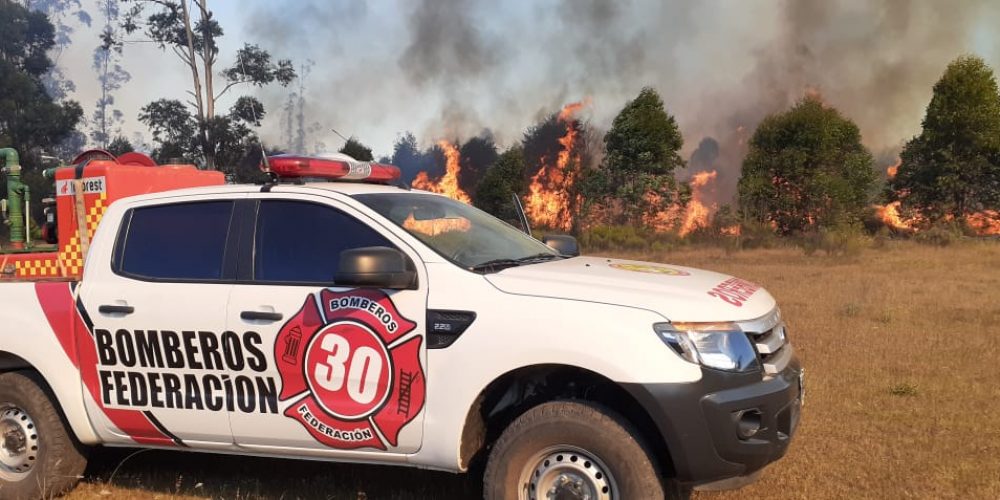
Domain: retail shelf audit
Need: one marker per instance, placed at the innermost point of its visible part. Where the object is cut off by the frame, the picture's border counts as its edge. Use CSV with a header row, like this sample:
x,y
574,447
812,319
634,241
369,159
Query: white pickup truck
x,y
335,316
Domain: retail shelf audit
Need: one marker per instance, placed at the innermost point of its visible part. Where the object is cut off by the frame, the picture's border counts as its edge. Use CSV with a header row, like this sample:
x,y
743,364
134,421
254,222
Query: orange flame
x,y
890,213
734,230
448,184
893,169
890,216
985,223
548,199
697,213
664,220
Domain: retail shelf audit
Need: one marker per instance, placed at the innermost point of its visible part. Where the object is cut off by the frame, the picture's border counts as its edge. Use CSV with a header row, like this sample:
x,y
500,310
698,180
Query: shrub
x,y
941,234
757,235
845,239
626,238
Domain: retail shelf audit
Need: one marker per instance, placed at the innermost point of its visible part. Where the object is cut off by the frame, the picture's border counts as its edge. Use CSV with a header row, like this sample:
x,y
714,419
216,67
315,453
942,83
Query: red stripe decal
x,y
57,303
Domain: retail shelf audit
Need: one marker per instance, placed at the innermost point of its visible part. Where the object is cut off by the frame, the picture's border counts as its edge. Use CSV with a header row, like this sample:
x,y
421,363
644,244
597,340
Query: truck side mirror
x,y
376,267
562,243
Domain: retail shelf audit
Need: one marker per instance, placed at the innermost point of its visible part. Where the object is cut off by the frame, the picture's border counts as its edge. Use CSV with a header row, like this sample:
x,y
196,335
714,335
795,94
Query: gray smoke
x,y
719,65
451,68
875,61
445,45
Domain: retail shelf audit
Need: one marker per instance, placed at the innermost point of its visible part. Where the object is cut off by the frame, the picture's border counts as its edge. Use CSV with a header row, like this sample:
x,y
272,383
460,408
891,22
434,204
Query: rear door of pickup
x,y
349,362
158,307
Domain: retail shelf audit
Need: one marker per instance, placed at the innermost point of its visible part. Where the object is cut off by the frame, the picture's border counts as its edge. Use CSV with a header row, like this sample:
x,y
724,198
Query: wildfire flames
x,y
985,223
891,171
549,203
890,216
733,230
548,200
448,183
697,213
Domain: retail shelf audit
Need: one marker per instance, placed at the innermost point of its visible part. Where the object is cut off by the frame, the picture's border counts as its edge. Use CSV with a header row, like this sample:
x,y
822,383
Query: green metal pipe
x,y
15,199
10,156
27,215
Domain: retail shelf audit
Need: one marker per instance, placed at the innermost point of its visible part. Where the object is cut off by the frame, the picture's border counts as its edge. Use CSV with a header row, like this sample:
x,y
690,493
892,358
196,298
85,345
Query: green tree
x,y
29,118
119,146
641,156
806,168
478,154
556,154
406,155
355,149
218,139
953,166
506,177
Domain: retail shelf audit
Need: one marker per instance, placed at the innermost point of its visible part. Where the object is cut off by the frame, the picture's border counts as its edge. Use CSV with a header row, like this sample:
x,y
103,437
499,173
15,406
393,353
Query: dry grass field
x,y
902,350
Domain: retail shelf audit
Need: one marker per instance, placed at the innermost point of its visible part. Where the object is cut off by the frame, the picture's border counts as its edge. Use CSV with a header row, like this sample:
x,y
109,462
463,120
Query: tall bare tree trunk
x,y
208,57
199,100
104,100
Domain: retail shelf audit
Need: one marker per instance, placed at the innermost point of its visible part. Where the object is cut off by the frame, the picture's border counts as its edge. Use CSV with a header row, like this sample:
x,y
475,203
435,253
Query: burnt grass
x,y
901,346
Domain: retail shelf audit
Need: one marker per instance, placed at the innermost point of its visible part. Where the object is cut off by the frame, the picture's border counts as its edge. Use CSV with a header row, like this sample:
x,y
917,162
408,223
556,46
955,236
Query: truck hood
x,y
678,293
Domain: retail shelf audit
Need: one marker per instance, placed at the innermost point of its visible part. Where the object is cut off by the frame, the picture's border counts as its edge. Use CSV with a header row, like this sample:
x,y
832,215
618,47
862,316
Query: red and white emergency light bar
x,y
335,167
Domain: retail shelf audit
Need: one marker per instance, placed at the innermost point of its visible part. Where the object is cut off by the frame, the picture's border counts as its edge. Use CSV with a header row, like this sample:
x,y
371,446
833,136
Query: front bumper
x,y
698,421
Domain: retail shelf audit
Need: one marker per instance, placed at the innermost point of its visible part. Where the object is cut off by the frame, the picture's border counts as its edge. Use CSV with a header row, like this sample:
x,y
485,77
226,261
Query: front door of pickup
x,y
349,363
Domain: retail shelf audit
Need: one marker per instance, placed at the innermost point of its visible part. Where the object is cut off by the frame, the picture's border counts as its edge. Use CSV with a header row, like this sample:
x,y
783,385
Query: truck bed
x,y
37,267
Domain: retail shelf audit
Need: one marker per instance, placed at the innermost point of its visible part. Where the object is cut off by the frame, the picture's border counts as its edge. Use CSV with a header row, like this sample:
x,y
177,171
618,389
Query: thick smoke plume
x,y
454,69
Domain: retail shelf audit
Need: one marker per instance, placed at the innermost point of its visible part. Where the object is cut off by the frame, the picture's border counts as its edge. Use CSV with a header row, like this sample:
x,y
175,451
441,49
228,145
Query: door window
x,y
177,242
300,242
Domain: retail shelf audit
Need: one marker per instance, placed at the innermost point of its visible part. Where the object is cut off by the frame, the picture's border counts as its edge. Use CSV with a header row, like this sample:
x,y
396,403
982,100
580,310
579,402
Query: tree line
x,y
806,168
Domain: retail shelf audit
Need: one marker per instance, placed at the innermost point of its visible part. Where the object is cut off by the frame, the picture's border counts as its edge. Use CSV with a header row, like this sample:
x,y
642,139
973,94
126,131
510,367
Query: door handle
x,y
115,309
261,316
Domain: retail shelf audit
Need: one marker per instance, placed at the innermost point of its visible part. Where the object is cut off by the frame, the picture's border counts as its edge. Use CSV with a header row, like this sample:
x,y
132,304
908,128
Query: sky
x,y
455,69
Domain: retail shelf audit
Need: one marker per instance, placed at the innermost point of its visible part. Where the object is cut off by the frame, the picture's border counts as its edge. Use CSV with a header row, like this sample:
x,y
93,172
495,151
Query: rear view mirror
x,y
562,243
376,267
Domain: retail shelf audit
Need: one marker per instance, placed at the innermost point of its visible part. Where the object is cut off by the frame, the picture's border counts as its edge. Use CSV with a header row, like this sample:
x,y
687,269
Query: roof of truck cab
x,y
345,188
352,188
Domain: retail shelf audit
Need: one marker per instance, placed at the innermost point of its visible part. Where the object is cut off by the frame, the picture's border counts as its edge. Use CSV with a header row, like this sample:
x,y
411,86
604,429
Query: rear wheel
x,y
38,456
570,450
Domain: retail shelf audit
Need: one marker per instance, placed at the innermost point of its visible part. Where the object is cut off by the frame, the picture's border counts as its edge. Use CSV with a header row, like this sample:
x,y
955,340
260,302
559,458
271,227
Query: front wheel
x,y
38,456
570,450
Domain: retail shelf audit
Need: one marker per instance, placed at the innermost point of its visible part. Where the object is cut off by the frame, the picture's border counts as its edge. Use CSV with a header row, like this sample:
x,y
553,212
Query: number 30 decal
x,y
351,368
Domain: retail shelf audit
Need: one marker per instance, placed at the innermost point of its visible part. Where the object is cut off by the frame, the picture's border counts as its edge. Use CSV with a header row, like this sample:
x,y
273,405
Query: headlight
x,y
716,345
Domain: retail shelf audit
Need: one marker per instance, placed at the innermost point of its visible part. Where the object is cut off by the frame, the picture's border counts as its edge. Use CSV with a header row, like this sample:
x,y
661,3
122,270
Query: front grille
x,y
768,336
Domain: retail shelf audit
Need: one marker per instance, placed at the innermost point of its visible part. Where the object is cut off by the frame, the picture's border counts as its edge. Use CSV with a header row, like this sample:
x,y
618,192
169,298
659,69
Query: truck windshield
x,y
462,234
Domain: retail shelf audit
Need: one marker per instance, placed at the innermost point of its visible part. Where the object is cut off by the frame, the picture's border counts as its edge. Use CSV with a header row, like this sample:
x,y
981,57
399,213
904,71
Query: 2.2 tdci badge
x,y
350,368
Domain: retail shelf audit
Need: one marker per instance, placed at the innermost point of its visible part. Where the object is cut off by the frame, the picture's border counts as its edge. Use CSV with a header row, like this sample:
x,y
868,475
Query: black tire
x,y
53,459
590,434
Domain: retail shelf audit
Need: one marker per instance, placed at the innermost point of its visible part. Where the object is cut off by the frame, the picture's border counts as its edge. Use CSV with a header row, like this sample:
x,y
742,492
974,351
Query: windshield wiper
x,y
498,264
